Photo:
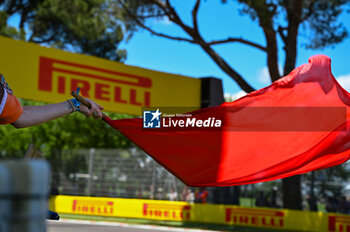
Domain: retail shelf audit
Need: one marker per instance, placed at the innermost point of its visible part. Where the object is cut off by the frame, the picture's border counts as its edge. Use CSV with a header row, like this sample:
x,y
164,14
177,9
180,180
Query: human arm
x,y
12,112
34,115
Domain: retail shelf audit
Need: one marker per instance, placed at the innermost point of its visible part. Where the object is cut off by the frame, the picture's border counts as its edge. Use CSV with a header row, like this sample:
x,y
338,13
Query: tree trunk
x,y
291,188
272,53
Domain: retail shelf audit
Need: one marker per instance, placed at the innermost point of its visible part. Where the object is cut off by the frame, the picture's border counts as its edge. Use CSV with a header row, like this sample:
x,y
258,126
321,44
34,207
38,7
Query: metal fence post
x,y
91,165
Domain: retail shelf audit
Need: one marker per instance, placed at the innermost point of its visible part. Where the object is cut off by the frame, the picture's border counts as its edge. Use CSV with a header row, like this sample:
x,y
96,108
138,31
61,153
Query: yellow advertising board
x,y
203,213
49,75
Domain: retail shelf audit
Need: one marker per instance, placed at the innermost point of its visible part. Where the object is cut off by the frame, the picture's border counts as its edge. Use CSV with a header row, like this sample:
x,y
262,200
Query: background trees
x,y
53,138
84,26
96,27
280,22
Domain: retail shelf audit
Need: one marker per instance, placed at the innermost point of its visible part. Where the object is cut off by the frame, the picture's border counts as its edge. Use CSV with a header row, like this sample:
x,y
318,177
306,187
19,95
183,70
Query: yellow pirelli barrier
x,y
202,213
46,74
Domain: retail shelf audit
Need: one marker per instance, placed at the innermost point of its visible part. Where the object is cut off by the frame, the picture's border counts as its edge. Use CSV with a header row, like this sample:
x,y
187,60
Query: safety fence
x,y
131,173
201,213
123,173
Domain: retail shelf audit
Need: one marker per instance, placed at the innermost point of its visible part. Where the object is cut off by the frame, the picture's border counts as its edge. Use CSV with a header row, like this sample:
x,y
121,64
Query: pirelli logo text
x,y
62,77
104,208
338,224
255,217
170,212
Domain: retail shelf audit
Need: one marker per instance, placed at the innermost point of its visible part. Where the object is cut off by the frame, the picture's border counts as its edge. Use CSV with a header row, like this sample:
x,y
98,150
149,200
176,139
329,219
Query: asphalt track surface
x,y
90,226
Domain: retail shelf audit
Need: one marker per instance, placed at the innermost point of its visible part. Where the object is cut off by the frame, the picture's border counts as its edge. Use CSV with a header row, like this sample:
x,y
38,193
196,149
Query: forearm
x,y
34,115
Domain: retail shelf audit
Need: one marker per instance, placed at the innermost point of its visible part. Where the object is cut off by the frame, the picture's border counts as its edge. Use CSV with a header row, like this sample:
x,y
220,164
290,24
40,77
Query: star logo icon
x,y
156,115
151,119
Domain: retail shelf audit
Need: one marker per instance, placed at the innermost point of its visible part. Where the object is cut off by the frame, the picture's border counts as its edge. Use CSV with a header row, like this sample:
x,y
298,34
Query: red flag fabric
x,y
296,125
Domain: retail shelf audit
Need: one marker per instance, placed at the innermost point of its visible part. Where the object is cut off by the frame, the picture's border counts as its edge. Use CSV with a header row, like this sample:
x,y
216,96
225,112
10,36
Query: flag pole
x,y
85,102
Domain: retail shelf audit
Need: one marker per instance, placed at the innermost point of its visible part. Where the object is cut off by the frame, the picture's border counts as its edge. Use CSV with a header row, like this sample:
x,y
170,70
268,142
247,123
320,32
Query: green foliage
x,y
330,182
139,8
85,26
319,19
5,29
280,22
324,27
73,131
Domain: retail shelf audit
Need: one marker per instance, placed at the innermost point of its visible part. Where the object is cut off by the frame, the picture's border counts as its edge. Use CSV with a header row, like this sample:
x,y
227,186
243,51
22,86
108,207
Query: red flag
x,y
296,125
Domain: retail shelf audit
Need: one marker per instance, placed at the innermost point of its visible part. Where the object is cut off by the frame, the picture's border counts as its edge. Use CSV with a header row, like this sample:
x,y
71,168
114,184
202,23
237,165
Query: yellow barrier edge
x,y
201,213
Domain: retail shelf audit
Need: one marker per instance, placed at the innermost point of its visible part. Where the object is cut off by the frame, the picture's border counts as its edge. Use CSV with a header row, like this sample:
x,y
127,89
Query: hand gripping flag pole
x,y
86,103
296,125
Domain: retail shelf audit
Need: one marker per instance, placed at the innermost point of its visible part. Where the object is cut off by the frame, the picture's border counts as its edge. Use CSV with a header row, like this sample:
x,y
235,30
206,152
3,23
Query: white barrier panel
x,y
23,195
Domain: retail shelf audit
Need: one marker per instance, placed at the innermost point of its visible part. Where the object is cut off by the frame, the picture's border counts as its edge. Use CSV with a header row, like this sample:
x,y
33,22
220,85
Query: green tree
x,y
84,26
278,19
54,137
326,183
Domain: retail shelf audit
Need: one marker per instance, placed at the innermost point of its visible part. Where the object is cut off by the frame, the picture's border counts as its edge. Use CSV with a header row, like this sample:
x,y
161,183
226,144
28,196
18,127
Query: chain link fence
x,y
122,173
130,173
